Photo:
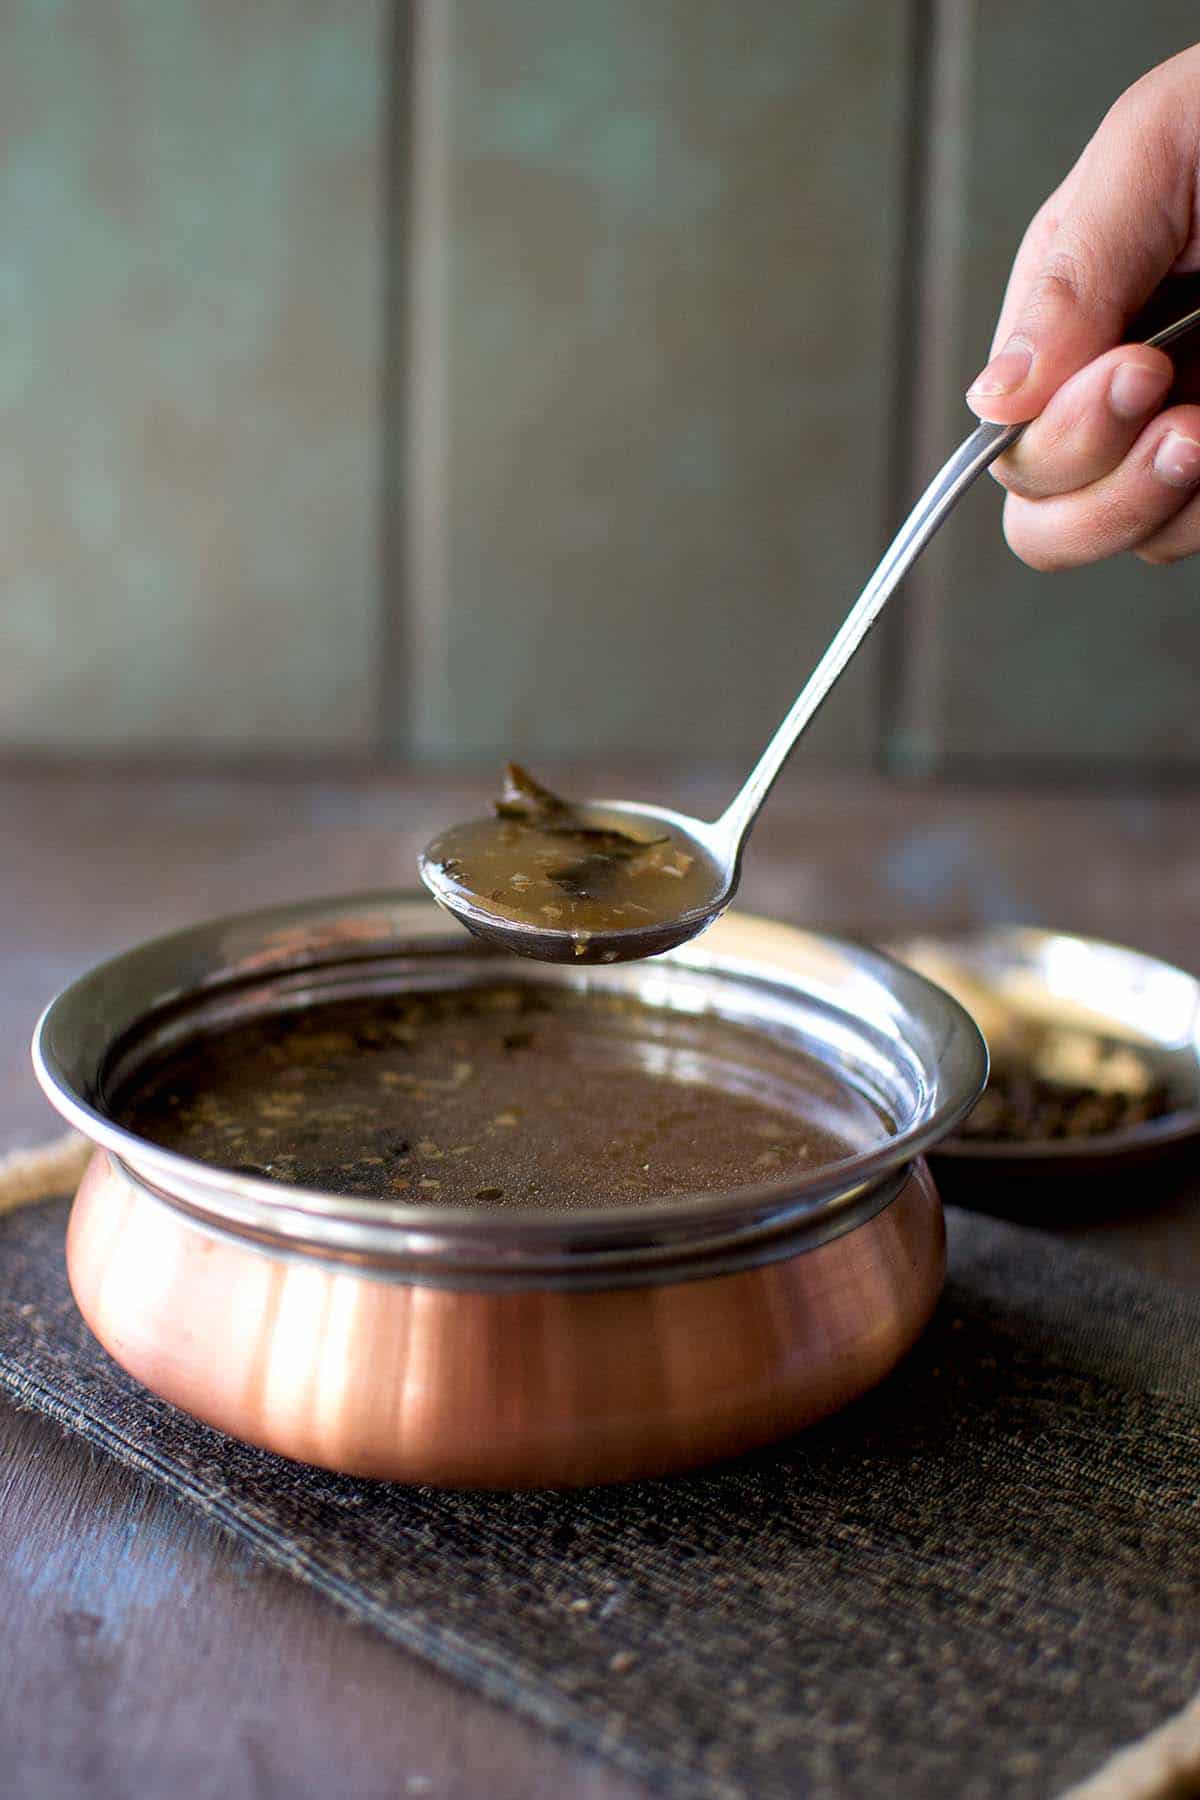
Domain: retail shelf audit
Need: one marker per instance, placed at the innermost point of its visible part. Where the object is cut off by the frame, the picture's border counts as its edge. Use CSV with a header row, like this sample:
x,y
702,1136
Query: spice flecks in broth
x,y
545,862
507,1096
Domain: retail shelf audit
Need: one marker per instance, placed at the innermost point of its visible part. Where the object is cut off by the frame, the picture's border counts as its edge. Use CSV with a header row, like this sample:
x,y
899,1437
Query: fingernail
x,y
1177,460
1006,371
1134,389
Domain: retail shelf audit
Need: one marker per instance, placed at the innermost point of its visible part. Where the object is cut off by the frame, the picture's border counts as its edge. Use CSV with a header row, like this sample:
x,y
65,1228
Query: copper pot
x,y
507,1349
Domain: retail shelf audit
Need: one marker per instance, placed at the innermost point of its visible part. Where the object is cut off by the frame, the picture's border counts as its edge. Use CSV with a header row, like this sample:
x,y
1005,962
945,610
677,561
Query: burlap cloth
x,y
981,1581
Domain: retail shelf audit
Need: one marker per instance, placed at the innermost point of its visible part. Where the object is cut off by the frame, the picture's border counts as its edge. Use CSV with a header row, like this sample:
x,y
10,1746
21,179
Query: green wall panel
x,y
655,264
641,418
190,245
1098,667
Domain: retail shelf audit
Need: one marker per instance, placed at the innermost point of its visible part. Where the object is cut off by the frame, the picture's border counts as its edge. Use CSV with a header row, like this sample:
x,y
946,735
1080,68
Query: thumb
x,y
1121,222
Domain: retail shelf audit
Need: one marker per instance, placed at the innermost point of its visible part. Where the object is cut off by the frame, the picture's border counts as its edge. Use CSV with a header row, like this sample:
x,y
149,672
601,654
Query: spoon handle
x,y
947,488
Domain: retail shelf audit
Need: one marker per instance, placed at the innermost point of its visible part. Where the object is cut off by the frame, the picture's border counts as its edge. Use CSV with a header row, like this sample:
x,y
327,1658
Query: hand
x,y
1109,464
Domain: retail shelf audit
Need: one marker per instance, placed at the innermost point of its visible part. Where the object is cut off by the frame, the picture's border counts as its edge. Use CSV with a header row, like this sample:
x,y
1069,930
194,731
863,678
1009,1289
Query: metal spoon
x,y
720,844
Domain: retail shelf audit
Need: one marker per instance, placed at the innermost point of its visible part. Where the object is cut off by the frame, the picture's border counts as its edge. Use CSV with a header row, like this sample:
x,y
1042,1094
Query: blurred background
x,y
428,381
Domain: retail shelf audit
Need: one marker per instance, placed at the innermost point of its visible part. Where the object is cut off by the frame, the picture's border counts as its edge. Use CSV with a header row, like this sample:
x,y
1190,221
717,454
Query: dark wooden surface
x,y
145,1653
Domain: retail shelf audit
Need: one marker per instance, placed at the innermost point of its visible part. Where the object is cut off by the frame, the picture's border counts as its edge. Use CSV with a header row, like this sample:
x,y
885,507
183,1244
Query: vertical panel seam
x,y
929,333
391,722
416,575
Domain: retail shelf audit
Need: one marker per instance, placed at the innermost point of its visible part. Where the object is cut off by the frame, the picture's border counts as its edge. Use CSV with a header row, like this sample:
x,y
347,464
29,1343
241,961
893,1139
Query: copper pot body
x,y
509,1348
533,1387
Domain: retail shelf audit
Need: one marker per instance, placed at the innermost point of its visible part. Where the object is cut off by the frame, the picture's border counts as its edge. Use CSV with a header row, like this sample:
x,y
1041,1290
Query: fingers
x,y
1035,248
1180,537
1141,503
1120,222
1101,469
1089,425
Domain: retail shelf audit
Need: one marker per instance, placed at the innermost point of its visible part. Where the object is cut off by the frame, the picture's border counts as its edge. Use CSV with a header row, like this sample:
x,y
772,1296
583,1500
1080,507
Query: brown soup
x,y
508,1096
546,862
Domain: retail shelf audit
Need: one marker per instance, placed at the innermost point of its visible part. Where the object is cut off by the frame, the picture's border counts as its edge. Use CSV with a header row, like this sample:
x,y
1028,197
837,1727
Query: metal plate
x,y
1010,975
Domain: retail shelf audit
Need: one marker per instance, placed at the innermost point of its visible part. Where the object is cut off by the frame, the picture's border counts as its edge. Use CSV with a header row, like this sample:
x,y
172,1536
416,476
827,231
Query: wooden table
x,y
147,1653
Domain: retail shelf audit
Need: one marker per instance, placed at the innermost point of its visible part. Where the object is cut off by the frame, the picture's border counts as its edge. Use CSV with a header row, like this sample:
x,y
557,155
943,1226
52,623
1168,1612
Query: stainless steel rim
x,y
411,1261
863,1001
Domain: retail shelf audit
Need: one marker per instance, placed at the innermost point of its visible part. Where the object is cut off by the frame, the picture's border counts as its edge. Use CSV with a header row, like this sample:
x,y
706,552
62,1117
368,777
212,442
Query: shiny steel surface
x,y
494,1347
546,943
723,840
1008,975
900,1040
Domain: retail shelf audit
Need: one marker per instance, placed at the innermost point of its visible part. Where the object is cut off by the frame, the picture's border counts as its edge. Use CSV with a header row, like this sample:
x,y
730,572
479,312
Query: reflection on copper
x,y
464,1387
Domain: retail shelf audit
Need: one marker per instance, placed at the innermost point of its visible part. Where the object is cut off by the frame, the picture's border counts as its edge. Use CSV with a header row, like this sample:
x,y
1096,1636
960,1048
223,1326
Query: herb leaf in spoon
x,y
526,801
571,873
604,849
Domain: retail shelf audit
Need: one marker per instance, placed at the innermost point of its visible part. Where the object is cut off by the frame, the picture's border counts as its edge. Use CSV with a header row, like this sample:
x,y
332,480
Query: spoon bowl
x,y
712,887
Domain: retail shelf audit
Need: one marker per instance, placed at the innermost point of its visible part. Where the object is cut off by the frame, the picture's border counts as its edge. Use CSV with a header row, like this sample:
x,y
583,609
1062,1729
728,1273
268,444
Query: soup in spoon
x,y
580,873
